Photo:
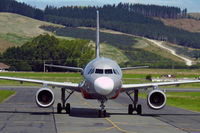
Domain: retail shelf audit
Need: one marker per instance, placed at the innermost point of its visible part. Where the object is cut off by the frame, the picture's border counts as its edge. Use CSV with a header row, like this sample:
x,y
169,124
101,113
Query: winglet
x,y
97,36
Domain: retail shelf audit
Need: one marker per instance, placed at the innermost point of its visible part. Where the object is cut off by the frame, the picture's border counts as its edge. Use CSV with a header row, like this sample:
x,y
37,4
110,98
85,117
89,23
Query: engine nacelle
x,y
44,97
156,99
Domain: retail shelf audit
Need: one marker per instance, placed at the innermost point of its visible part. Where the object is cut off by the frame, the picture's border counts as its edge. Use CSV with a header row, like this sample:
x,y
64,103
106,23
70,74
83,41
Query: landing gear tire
x,y
139,109
102,113
67,108
99,113
130,109
59,108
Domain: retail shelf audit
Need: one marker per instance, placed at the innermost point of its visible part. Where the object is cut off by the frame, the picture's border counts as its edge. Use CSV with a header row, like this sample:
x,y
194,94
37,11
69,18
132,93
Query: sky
x,y
191,5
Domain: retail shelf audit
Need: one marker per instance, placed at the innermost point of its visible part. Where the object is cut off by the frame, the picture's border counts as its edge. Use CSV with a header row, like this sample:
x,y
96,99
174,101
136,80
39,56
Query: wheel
x,y
130,109
104,113
59,108
99,113
139,109
67,108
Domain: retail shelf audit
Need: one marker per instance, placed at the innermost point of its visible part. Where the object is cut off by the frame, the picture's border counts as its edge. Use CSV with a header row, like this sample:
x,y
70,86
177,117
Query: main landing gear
x,y
64,106
135,106
102,112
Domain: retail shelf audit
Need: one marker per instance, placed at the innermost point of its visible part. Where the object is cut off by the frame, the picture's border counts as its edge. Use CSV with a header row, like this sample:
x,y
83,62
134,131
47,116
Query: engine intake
x,y
156,99
44,97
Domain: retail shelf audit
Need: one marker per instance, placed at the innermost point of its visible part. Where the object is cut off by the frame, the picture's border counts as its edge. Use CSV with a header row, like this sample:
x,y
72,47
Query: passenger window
x,y
99,71
108,71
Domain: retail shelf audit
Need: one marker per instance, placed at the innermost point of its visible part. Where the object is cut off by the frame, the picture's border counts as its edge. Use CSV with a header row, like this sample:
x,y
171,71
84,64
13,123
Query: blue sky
x,y
191,5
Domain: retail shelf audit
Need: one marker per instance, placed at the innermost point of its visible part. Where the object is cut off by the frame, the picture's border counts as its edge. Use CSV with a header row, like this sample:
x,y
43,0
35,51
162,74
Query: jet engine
x,y
44,97
156,99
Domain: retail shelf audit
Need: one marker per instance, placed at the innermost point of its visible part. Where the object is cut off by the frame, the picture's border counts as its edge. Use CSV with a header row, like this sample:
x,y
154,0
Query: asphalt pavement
x,y
20,114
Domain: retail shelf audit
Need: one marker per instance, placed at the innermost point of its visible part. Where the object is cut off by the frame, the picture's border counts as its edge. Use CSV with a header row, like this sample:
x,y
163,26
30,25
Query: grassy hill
x,y
17,29
20,25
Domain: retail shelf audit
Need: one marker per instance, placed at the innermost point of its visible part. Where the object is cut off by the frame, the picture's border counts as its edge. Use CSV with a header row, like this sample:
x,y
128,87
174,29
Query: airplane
x,y
102,82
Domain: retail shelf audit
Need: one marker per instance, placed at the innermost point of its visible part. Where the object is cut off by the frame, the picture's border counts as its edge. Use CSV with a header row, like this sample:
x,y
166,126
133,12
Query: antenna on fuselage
x,y
97,37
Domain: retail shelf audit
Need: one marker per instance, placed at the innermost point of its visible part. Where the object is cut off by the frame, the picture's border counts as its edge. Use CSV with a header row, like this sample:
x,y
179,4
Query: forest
x,y
128,18
46,48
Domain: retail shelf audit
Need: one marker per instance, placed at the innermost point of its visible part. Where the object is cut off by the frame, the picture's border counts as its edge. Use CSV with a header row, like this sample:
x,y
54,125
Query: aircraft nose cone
x,y
103,85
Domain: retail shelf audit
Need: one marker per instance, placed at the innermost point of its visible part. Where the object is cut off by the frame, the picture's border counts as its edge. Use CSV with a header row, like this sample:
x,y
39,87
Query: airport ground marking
x,y
109,120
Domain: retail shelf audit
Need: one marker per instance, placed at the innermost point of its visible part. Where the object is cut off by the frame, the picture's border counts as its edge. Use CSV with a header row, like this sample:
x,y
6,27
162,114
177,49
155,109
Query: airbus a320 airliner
x,y
102,81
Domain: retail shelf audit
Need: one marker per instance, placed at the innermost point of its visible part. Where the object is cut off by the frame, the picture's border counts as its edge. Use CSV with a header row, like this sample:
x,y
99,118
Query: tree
x,y
31,55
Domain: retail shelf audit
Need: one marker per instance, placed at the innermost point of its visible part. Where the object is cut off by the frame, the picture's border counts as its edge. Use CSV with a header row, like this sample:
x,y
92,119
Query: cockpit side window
x,y
115,71
108,71
91,71
99,71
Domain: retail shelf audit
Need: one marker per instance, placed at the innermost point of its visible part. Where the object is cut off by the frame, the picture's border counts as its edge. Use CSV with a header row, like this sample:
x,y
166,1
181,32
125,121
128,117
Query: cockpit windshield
x,y
99,71
108,71
103,71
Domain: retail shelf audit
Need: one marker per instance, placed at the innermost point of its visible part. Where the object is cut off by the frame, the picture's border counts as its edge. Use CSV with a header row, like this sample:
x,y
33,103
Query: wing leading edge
x,y
71,86
127,87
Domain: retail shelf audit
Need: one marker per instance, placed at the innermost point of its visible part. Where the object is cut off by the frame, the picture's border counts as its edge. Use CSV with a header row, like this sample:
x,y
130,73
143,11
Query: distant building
x,y
168,76
3,67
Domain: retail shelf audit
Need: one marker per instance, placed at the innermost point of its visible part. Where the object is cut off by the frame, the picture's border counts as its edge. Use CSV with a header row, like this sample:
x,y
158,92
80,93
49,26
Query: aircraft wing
x,y
127,87
71,86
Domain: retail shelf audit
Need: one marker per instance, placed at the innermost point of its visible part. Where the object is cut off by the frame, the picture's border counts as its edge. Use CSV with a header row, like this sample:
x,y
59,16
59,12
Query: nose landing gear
x,y
102,112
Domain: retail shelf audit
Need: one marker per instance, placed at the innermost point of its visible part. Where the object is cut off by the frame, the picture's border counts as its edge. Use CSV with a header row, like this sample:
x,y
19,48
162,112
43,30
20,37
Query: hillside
x,y
191,25
23,32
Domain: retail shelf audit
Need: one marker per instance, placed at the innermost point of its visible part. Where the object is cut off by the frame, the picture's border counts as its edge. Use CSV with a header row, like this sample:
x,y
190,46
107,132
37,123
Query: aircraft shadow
x,y
85,113
158,115
26,112
93,113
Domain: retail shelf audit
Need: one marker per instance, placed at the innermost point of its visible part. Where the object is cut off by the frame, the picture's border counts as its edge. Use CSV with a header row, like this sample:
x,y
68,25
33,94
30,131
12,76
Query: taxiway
x,y
20,114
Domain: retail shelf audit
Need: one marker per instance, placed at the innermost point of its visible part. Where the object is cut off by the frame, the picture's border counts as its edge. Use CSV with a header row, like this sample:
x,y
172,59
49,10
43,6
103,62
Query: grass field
x,y
4,94
185,100
129,77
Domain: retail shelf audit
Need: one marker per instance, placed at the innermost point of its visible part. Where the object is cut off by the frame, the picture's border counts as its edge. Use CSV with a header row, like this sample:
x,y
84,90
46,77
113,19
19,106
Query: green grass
x,y
185,100
4,94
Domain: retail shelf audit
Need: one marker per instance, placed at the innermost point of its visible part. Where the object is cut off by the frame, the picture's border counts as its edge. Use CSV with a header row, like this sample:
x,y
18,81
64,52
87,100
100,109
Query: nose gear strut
x,y
102,111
